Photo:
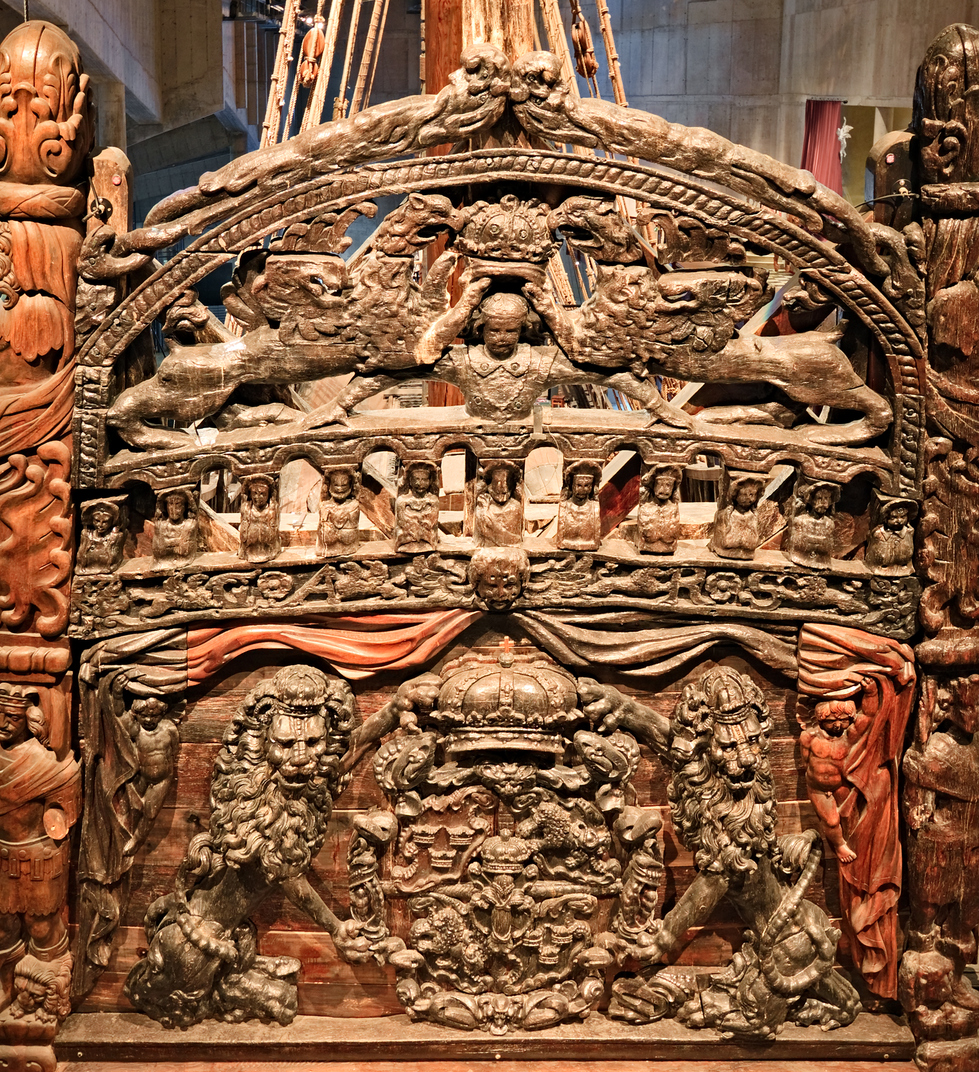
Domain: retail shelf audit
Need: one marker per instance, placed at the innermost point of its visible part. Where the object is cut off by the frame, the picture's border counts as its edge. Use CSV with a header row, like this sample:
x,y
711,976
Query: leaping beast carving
x,y
307,315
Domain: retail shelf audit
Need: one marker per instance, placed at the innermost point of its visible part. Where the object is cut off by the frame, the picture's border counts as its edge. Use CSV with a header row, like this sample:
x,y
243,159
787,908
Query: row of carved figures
x,y
498,517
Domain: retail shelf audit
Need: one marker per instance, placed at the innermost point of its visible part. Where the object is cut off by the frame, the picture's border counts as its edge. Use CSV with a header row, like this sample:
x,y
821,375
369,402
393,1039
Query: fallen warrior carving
x,y
724,810
271,797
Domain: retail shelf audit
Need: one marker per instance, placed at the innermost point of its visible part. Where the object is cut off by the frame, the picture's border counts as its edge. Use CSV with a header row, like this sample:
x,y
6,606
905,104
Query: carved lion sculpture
x,y
271,799
724,810
683,324
308,316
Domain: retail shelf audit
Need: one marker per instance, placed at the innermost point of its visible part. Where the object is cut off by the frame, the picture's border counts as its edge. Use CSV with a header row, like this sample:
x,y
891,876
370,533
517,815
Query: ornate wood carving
x,y
45,137
512,861
939,766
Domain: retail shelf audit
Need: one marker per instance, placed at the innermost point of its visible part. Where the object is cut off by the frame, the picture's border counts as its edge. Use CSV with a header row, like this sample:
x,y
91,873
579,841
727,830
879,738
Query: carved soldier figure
x,y
339,525
103,538
498,575
156,740
890,546
811,535
417,508
498,517
736,531
39,803
259,529
579,520
658,520
176,533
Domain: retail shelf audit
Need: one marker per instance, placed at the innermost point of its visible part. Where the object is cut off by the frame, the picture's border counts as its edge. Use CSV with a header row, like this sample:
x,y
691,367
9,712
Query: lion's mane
x,y
726,834
251,820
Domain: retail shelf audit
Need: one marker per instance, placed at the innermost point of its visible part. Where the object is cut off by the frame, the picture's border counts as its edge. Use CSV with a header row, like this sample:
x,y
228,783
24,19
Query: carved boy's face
x,y
897,518
101,522
499,585
821,502
259,495
176,508
341,486
663,487
746,496
581,487
149,712
420,481
499,486
296,741
501,333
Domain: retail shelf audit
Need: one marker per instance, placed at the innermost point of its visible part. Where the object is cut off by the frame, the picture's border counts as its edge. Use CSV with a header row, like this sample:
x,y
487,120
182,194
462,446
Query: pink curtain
x,y
821,146
356,647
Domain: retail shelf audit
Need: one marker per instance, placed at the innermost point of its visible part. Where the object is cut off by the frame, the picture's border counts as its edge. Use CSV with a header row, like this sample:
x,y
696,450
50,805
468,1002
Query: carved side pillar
x,y
942,765
45,137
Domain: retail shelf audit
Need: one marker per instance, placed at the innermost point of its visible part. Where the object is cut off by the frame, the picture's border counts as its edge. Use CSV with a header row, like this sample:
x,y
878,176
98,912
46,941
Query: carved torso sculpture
x,y
579,523
417,509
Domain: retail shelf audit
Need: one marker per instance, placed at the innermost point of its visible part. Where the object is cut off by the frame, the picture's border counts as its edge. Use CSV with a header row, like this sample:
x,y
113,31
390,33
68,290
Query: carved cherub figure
x,y
498,517
826,750
579,519
156,740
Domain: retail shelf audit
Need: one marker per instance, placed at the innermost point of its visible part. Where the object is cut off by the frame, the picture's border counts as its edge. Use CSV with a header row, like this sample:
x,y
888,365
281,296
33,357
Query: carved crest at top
x,y
46,126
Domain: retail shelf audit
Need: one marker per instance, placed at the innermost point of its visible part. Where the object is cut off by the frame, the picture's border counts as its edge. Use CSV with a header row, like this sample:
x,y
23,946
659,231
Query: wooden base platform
x,y
113,1041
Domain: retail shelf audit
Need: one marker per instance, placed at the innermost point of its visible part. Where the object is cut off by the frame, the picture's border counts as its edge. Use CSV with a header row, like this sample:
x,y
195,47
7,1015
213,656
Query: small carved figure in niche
x,y
810,538
417,508
272,795
736,531
259,529
498,576
724,809
156,741
339,525
176,534
39,803
658,521
890,546
103,538
498,517
579,519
